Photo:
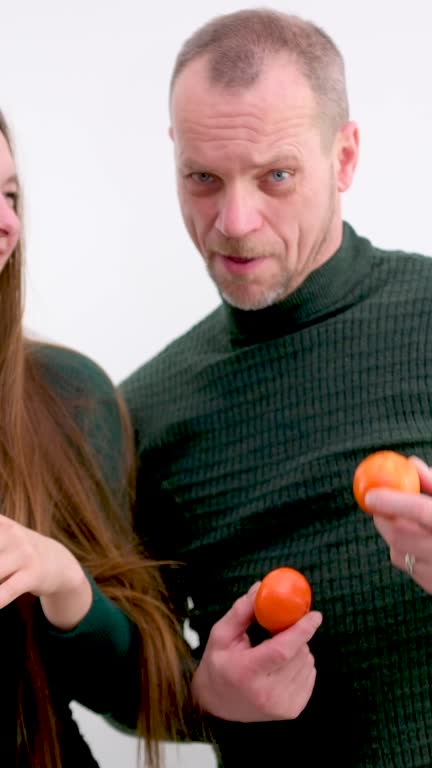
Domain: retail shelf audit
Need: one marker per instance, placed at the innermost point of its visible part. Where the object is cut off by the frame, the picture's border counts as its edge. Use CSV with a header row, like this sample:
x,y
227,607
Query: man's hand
x,y
272,681
404,520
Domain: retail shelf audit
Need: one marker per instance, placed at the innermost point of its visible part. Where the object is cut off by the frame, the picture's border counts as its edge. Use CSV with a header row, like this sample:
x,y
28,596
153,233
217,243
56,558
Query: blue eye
x,y
279,175
202,177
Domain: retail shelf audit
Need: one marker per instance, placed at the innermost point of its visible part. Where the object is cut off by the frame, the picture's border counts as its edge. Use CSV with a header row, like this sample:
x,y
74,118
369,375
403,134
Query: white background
x,y
110,268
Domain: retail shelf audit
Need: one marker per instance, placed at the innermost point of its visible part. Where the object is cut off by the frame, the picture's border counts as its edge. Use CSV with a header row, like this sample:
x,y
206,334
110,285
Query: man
x,y
250,426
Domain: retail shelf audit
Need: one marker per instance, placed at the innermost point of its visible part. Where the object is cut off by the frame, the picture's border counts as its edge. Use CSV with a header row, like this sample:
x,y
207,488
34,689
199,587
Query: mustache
x,y
239,249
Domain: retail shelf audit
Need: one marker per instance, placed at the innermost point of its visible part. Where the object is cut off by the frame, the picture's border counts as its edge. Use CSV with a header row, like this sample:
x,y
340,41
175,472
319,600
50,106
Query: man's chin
x,y
250,301
247,295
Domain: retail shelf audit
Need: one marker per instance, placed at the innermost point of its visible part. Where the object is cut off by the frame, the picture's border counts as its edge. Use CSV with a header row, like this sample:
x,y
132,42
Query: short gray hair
x,y
238,44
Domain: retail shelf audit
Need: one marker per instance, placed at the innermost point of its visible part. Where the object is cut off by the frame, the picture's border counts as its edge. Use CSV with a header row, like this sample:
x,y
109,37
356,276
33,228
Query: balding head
x,y
236,47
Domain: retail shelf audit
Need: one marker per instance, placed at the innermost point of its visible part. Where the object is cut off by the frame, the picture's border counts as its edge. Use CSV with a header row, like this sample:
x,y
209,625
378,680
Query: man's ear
x,y
347,153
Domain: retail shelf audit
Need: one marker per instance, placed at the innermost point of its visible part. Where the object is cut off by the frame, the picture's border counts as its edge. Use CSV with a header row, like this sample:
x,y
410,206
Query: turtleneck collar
x,y
327,290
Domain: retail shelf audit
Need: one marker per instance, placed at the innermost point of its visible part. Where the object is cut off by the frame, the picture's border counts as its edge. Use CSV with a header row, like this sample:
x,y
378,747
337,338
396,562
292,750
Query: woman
x,y
84,615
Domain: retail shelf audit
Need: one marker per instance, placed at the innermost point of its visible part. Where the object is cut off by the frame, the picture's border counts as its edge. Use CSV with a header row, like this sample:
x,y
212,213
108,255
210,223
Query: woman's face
x,y
9,222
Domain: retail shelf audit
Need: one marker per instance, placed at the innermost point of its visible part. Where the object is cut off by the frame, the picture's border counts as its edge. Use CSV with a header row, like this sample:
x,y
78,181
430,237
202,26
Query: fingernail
x,y
369,498
318,617
254,587
419,461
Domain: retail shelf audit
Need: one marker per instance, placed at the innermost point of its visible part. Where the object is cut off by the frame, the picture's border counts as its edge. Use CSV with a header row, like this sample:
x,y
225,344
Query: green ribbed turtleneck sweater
x,y
249,428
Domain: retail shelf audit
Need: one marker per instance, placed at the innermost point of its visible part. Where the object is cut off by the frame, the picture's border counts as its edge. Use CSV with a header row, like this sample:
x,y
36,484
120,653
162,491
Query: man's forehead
x,y
253,115
280,79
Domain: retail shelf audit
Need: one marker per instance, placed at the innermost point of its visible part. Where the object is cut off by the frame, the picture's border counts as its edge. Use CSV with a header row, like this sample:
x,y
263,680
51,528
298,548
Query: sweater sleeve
x,y
97,662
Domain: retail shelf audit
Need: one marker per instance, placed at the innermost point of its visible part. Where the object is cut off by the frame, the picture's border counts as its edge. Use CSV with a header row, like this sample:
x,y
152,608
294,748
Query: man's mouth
x,y
239,265
238,259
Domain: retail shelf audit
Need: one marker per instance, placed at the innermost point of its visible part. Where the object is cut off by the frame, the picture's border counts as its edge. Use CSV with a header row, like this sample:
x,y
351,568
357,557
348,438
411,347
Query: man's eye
x,y
202,177
279,175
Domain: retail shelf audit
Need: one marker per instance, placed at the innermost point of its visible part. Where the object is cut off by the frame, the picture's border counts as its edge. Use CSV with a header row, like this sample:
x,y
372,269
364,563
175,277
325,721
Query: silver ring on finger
x,y
409,563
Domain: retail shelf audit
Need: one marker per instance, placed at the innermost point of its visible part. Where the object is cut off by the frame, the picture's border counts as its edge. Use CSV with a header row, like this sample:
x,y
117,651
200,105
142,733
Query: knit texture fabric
x,y
96,663
249,429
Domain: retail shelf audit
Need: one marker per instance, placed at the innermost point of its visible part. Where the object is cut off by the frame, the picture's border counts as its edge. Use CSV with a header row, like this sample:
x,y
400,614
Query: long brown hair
x,y
51,481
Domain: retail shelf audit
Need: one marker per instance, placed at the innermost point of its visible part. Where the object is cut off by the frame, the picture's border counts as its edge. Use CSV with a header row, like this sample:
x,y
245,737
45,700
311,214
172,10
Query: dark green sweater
x,y
95,664
249,429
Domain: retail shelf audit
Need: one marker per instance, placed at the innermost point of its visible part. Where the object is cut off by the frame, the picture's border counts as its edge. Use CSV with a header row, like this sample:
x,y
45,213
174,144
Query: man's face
x,y
259,186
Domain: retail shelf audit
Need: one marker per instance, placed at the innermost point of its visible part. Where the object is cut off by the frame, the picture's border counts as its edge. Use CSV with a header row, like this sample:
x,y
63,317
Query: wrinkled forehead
x,y
280,88
275,116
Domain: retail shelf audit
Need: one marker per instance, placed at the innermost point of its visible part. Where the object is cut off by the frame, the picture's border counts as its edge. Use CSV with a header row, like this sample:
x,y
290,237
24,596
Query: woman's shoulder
x,y
71,373
88,395
83,387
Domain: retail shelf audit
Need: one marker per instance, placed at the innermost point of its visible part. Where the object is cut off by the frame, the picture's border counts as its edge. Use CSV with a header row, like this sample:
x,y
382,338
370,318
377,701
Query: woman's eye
x,y
12,199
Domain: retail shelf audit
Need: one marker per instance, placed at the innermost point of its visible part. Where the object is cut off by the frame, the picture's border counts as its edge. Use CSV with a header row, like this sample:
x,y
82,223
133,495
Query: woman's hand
x,y
30,562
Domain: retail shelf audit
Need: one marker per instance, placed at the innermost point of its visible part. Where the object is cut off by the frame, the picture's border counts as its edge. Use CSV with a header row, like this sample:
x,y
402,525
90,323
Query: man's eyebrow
x,y
190,163
279,160
275,161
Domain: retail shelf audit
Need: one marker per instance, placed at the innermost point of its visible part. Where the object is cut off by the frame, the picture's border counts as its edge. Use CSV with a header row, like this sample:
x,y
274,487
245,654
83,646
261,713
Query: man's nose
x,y
238,214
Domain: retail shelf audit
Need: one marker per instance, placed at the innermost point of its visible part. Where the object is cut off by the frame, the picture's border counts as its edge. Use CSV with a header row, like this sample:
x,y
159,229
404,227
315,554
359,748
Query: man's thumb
x,y
235,622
